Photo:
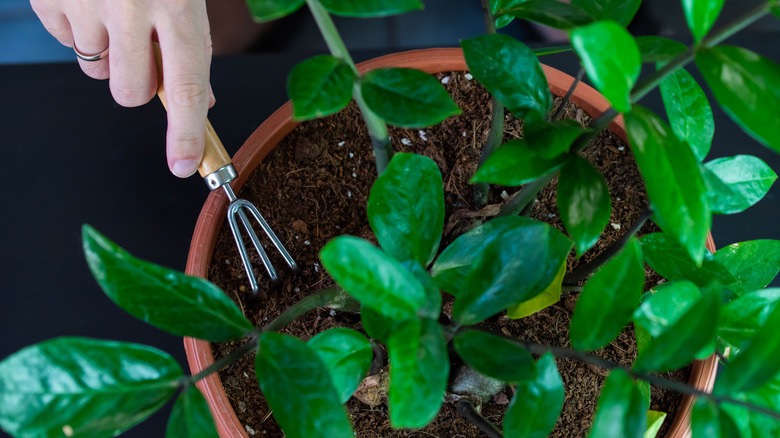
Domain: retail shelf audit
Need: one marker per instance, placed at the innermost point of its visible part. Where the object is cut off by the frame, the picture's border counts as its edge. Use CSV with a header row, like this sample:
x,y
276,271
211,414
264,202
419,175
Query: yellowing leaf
x,y
549,296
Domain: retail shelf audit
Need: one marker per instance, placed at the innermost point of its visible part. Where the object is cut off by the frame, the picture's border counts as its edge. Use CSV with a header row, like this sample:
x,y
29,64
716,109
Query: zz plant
x,y
709,304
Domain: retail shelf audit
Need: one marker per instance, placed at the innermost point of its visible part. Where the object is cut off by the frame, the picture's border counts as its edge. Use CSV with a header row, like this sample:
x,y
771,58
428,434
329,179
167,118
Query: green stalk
x,y
539,349
496,134
525,196
583,271
222,362
377,128
333,297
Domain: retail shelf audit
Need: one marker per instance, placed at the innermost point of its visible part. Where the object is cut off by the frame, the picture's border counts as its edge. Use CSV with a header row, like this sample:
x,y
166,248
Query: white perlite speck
x,y
349,193
316,267
342,143
306,242
354,175
468,76
504,194
332,312
351,155
621,148
445,80
615,226
249,430
423,137
405,141
551,215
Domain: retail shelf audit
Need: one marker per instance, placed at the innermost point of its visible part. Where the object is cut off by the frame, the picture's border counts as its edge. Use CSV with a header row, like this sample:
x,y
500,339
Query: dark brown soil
x,y
315,186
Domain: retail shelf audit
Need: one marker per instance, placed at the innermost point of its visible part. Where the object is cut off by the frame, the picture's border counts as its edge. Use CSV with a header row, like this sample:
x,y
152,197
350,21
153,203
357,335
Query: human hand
x,y
182,29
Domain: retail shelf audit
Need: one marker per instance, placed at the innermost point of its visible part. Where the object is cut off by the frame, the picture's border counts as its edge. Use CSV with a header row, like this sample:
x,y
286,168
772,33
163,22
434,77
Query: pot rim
x,y
267,136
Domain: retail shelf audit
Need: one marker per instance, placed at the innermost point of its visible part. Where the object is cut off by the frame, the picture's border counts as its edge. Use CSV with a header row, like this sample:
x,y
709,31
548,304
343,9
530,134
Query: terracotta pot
x,y
276,127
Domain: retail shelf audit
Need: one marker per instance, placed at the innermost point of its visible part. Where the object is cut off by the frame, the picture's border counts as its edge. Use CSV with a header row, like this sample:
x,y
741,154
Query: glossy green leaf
x,y
584,203
549,296
406,208
297,385
689,112
346,354
682,340
753,264
83,387
608,300
376,325
495,356
497,7
407,97
433,300
190,416
515,163
708,421
668,258
751,423
267,10
622,11
419,370
742,317
736,183
372,277
555,14
511,72
167,299
655,420
621,410
370,8
673,180
665,305
513,269
655,49
759,361
454,263
537,403
320,86
701,15
551,139
743,81
596,45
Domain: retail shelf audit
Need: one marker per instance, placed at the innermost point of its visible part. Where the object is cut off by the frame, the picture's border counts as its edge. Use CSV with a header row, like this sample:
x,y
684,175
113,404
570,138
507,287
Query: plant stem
x,y
559,112
466,409
377,128
585,270
525,196
683,388
248,347
331,295
496,134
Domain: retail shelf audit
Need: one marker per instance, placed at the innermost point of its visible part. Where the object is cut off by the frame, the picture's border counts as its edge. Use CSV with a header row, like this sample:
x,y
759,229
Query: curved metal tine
x,y
236,208
242,252
270,233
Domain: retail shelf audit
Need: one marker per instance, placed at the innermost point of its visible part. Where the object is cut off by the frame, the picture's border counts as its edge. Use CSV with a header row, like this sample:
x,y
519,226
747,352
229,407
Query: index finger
x,y
186,56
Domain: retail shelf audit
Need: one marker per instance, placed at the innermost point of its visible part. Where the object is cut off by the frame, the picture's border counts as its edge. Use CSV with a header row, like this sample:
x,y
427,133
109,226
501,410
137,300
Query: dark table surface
x,y
73,156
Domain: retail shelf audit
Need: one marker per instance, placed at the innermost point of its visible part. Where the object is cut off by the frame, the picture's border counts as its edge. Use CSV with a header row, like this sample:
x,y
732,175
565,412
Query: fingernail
x,y
184,168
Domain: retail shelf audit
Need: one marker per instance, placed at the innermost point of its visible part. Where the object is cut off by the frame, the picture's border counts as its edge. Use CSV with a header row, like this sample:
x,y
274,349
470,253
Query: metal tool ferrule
x,y
220,177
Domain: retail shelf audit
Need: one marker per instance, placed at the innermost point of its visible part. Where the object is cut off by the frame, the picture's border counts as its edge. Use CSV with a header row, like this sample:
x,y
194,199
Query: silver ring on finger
x,y
90,58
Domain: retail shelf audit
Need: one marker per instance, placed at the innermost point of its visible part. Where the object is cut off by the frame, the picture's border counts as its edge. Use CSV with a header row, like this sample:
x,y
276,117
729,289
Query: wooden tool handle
x,y
214,155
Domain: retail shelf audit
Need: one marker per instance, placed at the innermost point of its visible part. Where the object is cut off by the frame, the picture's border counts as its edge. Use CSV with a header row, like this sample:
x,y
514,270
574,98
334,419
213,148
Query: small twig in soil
x,y
466,409
585,270
559,112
